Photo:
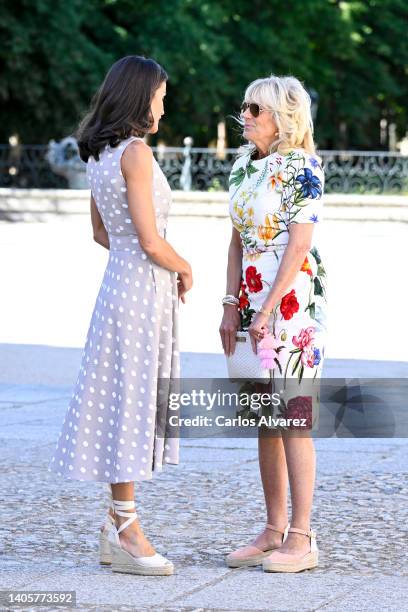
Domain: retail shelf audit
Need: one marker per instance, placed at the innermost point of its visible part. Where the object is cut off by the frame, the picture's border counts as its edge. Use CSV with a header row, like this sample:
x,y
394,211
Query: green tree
x,y
187,37
51,61
376,85
354,53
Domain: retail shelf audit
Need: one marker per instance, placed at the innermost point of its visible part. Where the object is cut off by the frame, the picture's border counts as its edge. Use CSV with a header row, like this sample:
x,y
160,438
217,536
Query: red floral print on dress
x,y
289,305
243,297
300,407
253,279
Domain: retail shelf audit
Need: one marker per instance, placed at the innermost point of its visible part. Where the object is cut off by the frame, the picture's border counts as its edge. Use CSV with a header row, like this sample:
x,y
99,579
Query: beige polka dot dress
x,y
116,426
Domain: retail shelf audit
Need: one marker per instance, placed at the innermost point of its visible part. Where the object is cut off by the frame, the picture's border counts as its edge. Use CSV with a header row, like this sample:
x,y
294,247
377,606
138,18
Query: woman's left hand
x,y
258,328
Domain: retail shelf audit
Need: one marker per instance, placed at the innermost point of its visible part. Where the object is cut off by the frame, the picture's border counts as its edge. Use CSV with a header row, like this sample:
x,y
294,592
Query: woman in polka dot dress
x,y
115,429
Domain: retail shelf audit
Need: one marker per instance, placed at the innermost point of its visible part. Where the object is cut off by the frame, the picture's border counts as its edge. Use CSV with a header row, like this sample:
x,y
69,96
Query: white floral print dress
x,y
266,196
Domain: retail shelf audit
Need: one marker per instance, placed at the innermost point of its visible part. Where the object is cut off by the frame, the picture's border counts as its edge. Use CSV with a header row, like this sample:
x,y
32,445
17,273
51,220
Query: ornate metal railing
x,y
27,166
205,169
365,172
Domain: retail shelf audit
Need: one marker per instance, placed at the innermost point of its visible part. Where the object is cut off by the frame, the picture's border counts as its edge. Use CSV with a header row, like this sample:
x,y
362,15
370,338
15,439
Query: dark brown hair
x,y
121,106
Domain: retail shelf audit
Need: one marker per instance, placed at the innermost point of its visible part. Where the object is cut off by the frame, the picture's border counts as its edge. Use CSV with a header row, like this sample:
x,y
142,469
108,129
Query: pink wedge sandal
x,y
286,562
250,555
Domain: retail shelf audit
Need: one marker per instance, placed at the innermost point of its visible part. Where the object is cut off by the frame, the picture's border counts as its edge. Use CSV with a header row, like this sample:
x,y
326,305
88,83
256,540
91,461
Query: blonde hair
x,y
290,106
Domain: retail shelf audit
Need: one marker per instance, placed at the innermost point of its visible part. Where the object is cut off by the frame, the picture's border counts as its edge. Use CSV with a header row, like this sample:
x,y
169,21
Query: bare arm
x,y
234,267
307,207
100,234
231,320
300,242
137,169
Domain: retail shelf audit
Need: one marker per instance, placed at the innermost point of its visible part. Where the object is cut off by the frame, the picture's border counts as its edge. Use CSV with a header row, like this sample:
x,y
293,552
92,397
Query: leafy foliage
x,y
353,53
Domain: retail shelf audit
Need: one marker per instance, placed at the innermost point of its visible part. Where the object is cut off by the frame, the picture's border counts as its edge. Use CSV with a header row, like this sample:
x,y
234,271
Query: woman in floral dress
x,y
276,272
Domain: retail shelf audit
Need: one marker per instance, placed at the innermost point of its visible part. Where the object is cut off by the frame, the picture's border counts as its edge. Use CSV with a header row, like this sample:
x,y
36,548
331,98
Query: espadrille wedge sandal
x,y
105,556
287,562
250,555
124,562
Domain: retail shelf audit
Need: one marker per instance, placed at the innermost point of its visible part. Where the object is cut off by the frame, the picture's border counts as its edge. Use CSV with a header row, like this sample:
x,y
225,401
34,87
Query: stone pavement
x,y
212,502
195,512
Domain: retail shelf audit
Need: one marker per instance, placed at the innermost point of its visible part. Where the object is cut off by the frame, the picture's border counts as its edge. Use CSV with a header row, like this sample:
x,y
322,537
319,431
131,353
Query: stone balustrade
x,y
28,204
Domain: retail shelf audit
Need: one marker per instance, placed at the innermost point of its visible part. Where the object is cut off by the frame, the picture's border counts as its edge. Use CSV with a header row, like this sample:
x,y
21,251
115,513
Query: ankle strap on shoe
x,y
122,508
122,505
274,528
310,533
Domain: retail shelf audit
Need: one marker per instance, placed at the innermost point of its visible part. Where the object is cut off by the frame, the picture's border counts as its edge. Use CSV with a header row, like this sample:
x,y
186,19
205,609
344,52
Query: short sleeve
x,y
305,203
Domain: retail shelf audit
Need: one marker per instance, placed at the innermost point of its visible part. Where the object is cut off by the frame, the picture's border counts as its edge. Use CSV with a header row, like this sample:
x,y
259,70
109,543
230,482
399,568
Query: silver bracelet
x,y
230,299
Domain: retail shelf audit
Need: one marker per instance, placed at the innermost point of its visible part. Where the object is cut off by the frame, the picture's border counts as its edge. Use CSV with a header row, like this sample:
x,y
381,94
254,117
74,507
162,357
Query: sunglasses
x,y
254,108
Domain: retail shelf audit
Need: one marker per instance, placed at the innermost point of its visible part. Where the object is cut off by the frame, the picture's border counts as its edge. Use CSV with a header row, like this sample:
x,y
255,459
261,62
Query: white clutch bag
x,y
243,363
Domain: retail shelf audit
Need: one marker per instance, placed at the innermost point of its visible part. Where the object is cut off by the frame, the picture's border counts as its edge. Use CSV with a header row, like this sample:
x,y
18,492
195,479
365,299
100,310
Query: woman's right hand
x,y
184,282
229,326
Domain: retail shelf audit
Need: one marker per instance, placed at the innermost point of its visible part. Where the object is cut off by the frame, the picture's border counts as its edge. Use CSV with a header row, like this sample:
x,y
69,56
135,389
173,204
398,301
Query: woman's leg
x,y
274,476
301,462
132,538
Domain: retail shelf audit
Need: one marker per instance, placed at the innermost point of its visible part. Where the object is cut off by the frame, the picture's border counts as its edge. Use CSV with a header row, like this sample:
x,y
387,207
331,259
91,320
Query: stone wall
x,y
30,204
